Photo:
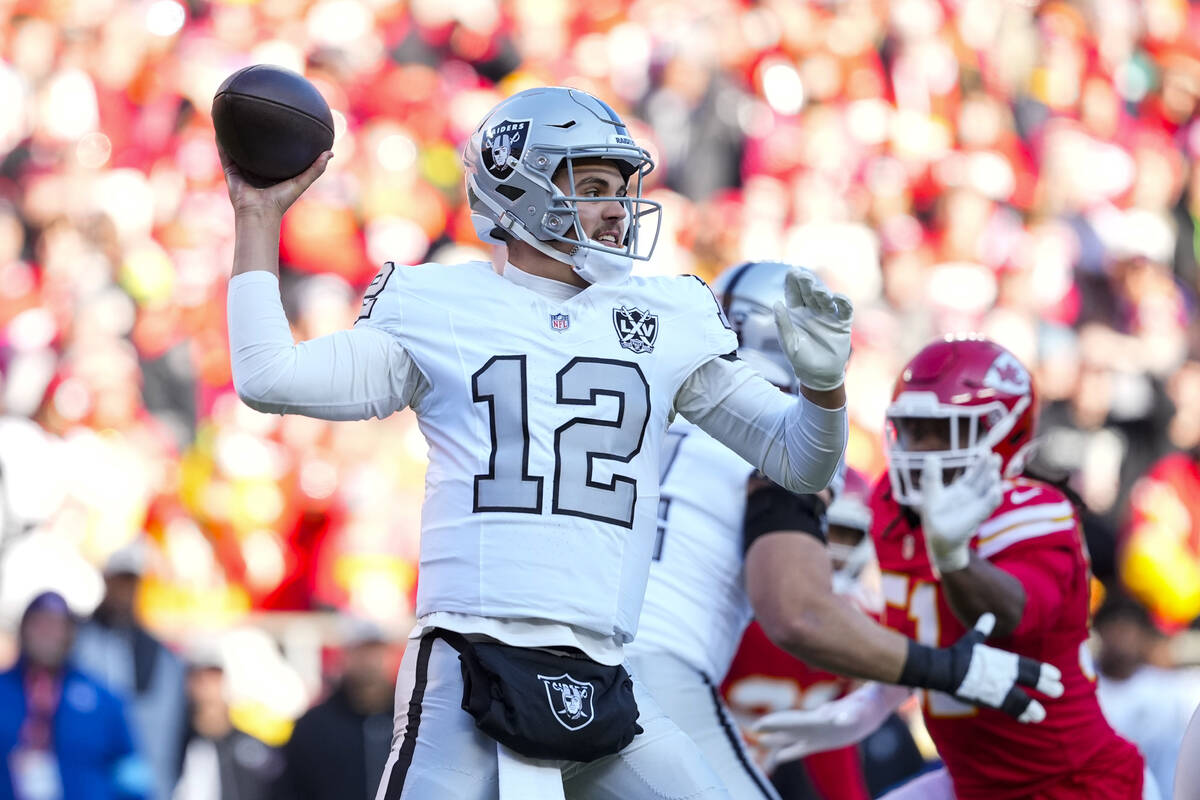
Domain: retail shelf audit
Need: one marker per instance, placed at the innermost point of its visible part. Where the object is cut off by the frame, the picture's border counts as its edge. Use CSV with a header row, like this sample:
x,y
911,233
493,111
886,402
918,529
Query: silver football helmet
x,y
748,293
513,155
851,510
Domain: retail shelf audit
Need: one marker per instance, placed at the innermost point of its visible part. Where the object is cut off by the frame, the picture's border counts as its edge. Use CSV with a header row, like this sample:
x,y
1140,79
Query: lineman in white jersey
x,y
731,546
544,386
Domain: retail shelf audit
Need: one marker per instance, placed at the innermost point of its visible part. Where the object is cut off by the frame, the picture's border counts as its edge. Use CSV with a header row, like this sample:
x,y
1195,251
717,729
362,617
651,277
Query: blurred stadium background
x,y
1024,169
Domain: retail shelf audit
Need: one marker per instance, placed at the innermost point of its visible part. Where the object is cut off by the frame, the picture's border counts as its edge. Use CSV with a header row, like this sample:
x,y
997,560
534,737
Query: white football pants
x,y
438,753
691,700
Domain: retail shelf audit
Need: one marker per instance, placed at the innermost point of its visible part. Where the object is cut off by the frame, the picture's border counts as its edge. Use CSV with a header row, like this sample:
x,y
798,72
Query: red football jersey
x,y
1033,535
763,678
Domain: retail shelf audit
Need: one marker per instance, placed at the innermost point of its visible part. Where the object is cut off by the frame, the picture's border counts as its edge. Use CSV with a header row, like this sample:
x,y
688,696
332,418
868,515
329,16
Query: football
x,y
272,122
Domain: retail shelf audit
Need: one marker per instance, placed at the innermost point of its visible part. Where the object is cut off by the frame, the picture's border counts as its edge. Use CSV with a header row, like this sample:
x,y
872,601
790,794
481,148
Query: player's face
x,y
847,537
604,222
925,435
929,435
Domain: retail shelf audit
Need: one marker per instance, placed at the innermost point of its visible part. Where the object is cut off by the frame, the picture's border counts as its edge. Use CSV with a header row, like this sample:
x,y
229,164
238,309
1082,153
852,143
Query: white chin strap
x,y
594,266
597,266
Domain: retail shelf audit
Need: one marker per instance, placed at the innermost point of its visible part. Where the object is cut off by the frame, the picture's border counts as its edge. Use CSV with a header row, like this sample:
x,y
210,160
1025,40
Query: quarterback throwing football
x,y
543,386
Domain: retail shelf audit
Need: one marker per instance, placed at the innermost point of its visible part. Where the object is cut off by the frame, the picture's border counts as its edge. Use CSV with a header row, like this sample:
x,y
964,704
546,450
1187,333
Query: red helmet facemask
x,y
984,394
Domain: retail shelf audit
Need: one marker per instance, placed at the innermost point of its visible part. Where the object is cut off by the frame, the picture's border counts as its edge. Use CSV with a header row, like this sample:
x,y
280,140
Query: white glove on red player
x,y
814,330
950,515
789,735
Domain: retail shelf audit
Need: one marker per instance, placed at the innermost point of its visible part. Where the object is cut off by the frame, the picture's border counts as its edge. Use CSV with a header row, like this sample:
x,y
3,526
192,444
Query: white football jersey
x,y
545,422
696,606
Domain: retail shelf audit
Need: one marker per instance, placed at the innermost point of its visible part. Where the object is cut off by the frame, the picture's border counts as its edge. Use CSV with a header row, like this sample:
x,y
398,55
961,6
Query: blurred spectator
x,y
63,736
115,647
1160,560
339,747
220,762
1137,698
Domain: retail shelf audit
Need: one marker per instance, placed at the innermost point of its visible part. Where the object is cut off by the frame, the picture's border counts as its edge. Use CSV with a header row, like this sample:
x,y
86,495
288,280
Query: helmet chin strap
x,y
597,266
594,266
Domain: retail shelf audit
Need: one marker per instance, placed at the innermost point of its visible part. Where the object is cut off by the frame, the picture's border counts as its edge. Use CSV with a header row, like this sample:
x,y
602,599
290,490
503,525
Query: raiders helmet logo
x,y
570,700
503,141
637,330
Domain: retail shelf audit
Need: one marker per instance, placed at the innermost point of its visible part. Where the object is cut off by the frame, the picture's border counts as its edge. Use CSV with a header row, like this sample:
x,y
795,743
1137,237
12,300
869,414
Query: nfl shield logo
x,y
502,141
637,330
560,322
570,700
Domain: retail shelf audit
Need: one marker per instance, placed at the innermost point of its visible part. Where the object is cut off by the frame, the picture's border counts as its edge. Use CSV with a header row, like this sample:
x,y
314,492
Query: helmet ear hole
x,y
513,193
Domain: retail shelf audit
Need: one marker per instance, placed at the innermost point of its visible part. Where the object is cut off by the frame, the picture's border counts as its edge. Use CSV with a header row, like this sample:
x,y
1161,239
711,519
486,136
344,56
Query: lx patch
x,y
637,330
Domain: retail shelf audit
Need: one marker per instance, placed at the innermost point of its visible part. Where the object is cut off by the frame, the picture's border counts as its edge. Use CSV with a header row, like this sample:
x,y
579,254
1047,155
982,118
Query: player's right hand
x,y
985,676
272,200
950,515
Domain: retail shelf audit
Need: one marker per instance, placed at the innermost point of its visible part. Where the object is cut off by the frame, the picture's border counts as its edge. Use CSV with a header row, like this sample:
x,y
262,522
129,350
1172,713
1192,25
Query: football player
x,y
991,541
543,385
730,546
762,678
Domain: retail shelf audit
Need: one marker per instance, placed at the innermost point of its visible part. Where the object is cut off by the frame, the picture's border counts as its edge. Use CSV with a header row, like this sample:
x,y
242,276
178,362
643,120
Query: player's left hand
x,y
950,515
986,676
814,330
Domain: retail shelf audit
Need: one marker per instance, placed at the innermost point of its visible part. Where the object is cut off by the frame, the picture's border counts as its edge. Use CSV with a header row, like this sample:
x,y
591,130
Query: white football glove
x,y
985,676
814,330
950,515
793,734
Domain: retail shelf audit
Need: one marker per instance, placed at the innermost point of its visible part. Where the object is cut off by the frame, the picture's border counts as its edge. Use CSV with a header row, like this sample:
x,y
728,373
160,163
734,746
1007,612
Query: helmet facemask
x,y
848,559
971,432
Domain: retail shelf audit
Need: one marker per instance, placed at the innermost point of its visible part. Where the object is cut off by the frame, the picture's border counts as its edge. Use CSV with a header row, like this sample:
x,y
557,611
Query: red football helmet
x,y
984,394
851,509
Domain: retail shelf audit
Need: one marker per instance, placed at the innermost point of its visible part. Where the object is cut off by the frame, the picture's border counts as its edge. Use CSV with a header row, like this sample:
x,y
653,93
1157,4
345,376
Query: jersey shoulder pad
x,y
394,284
706,309
1029,510
678,295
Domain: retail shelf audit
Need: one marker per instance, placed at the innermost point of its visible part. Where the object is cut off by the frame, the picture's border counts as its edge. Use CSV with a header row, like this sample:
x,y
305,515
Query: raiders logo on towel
x,y
570,700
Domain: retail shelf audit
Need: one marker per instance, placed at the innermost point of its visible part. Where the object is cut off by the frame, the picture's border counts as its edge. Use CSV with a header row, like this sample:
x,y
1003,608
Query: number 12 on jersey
x,y
502,383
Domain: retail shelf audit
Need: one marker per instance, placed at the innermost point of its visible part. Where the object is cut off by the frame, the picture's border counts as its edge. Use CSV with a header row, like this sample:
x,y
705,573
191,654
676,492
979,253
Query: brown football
x,y
272,122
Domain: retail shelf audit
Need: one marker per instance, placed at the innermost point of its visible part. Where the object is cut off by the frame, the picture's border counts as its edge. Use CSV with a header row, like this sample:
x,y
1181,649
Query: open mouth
x,y
609,238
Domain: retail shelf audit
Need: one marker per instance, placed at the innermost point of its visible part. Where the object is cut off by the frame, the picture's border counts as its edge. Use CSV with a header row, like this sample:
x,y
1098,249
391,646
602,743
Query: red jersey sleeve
x,y
1034,536
1040,571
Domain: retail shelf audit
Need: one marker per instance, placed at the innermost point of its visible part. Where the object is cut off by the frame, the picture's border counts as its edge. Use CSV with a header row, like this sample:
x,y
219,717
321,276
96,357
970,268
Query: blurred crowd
x,y
1025,169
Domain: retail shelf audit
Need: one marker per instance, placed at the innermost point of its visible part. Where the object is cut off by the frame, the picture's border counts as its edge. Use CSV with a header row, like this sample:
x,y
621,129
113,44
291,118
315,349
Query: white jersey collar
x,y
546,287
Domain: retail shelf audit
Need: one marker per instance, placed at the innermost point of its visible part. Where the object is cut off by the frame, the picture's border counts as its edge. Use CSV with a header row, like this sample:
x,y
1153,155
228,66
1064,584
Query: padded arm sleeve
x,y
795,442
771,509
354,374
